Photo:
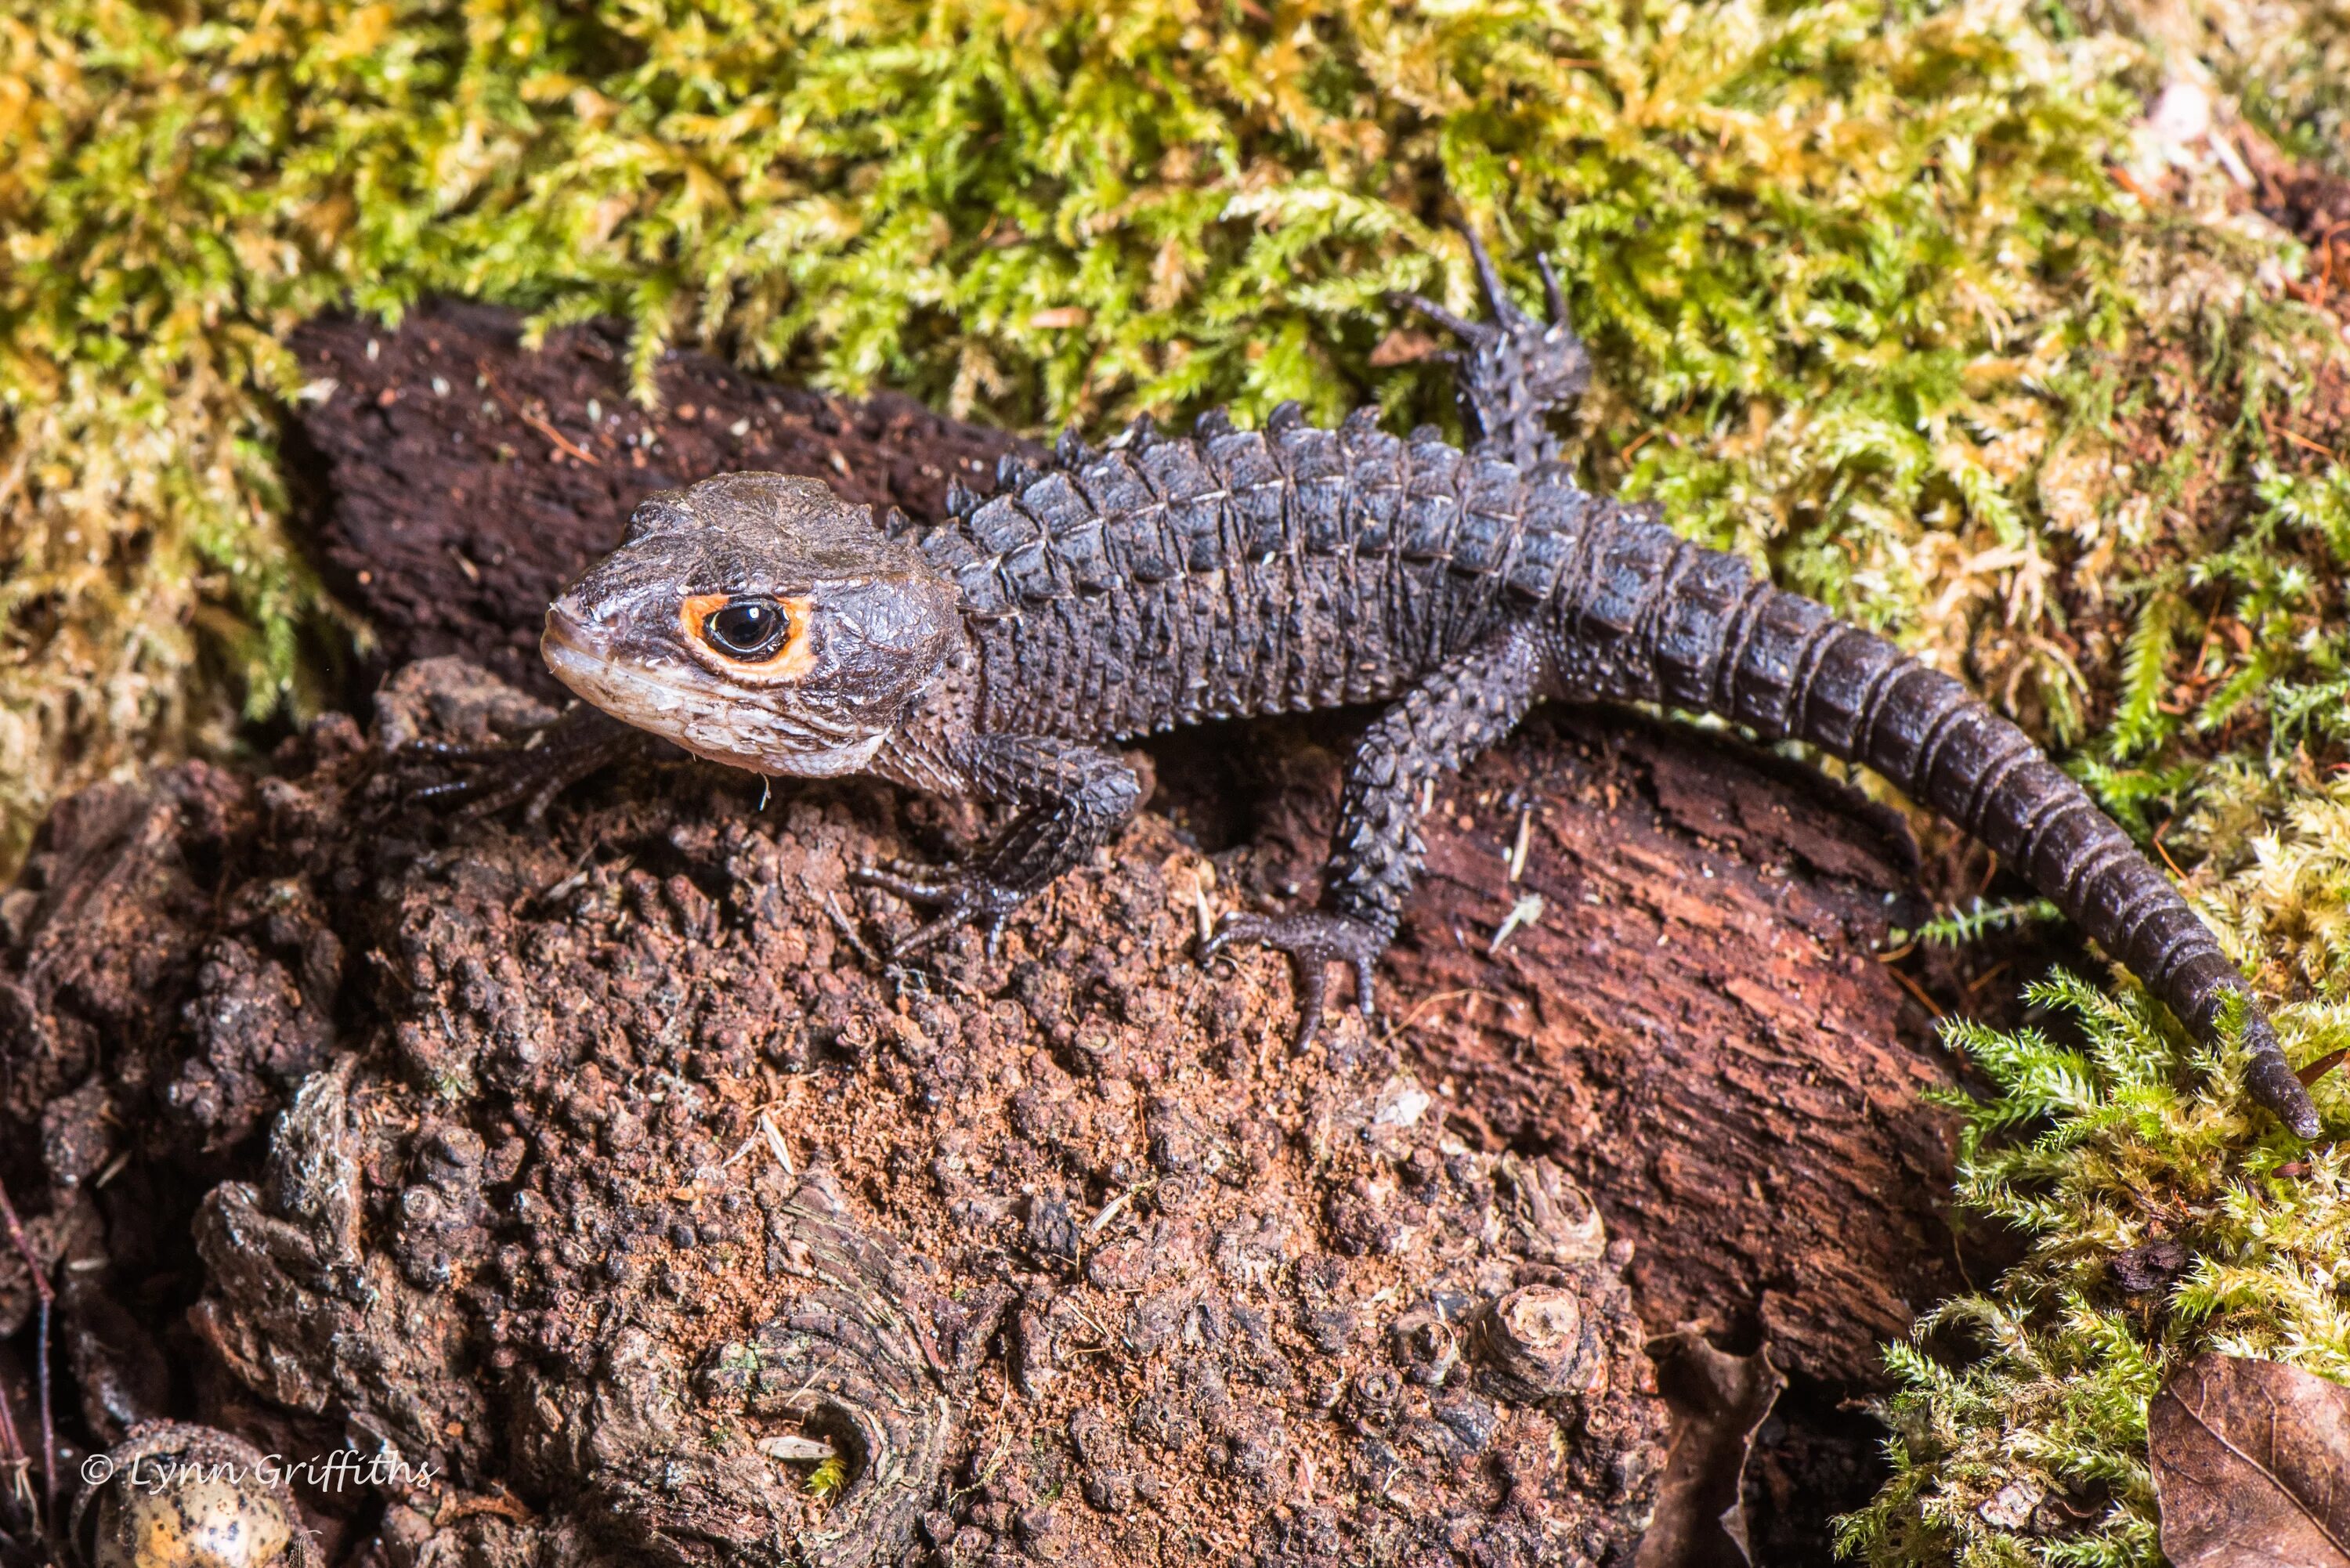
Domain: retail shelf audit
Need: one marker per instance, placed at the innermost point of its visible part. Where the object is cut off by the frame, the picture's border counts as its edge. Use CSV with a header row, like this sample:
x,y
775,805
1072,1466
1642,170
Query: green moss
x,y
1868,301
2020,1417
2030,1397
1823,249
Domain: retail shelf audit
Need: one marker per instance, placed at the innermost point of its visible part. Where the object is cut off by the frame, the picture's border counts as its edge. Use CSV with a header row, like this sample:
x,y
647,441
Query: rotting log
x,y
1696,1022
1124,1200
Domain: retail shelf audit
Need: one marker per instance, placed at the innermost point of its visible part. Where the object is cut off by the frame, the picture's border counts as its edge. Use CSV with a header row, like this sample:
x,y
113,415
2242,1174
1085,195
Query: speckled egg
x,y
203,1523
177,1495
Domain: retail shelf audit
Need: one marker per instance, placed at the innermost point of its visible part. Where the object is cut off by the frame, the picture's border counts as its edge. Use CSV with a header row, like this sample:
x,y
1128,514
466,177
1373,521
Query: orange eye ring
x,y
793,657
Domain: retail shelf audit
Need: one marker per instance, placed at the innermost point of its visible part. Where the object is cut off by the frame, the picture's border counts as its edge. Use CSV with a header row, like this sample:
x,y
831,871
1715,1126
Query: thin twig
x,y
840,923
1914,989
2314,1070
45,1298
558,437
1411,1017
533,420
2159,849
17,1461
2306,444
1984,979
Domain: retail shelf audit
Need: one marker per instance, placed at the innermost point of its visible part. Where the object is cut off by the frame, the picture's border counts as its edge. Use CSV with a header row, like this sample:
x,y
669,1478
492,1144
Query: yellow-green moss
x,y
1867,299
1824,250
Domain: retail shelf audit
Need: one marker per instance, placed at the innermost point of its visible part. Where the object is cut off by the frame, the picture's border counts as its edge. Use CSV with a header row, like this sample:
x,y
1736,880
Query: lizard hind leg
x,y
1464,706
1512,371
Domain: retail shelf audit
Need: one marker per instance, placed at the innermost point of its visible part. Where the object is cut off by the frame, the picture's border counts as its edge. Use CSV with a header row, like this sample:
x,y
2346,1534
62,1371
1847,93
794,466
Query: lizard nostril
x,y
569,620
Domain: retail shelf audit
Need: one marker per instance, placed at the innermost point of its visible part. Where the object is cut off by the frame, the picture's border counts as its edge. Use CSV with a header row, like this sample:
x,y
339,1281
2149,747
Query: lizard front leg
x,y
578,741
1074,798
1440,724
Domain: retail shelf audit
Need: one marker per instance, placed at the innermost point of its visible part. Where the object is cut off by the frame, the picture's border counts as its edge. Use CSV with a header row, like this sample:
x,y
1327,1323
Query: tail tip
x,y
2273,1083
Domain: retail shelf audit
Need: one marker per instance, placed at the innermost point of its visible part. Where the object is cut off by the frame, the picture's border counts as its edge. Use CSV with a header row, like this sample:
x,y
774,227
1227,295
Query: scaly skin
x,y
1167,580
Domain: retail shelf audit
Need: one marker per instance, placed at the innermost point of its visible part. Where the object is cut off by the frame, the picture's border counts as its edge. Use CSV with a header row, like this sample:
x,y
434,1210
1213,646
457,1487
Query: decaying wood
x,y
1697,1021
1178,1289
1697,1024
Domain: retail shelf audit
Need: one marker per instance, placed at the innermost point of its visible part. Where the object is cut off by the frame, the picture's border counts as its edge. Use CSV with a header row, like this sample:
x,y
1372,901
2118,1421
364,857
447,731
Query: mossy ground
x,y
1907,300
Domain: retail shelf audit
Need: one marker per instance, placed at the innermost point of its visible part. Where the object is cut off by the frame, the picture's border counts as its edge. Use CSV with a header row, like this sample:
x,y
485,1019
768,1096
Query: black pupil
x,y
746,627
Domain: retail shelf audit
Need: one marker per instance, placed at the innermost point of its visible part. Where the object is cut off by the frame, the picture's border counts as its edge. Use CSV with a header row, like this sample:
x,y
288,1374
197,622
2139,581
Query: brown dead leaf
x,y
1402,345
2252,1466
1716,1400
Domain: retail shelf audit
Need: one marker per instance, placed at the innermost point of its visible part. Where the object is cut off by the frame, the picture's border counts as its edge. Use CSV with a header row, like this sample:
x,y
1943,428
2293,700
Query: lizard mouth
x,y
679,704
572,649
581,654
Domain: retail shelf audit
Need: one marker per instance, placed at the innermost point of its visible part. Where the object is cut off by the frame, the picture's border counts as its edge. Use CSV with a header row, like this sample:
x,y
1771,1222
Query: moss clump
x,y
1868,299
2020,1425
2165,1219
1827,250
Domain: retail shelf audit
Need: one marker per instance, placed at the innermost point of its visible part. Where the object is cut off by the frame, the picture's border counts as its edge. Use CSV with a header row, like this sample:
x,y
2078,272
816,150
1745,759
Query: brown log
x,y
1742,1097
1697,1023
1072,1145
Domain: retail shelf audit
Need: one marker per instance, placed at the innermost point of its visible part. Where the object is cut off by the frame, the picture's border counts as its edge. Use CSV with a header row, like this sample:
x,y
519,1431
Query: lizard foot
x,y
1314,940
578,743
1515,369
961,896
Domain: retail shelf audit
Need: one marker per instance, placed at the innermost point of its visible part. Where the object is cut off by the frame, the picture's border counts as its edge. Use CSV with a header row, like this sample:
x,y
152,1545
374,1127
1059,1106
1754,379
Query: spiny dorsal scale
x,y
1213,423
1071,451
1285,417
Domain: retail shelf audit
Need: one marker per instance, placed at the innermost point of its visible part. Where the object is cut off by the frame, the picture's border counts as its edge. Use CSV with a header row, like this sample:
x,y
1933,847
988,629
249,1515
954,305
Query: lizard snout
x,y
569,619
577,638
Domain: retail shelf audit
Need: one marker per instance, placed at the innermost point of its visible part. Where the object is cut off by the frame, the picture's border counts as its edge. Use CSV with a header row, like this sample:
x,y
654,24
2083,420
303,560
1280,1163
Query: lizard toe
x,y
1314,940
908,883
578,743
961,898
1478,333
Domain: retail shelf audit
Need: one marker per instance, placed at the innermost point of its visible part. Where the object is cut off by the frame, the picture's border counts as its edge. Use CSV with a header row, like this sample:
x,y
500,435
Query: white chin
x,y
854,757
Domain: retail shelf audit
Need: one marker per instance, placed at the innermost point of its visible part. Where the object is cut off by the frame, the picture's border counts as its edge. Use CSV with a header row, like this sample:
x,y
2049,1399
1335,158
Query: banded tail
x,y
1719,641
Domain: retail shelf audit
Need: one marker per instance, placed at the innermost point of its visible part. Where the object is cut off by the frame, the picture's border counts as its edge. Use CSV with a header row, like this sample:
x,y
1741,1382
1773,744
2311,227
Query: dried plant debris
x,y
1716,1400
2252,1463
621,1191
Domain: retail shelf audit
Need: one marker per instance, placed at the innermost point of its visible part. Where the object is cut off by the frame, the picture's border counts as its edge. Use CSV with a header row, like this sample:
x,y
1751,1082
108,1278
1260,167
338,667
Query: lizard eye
x,y
746,627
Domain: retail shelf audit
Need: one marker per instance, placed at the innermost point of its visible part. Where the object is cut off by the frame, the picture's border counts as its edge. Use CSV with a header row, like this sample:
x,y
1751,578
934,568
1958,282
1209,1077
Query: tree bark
x,y
498,1140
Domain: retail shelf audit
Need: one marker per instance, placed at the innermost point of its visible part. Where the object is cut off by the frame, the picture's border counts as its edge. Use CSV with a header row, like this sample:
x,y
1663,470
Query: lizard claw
x,y
1314,940
962,897
554,759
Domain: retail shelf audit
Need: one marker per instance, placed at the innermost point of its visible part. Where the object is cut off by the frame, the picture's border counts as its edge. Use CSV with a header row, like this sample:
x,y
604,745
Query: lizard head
x,y
759,620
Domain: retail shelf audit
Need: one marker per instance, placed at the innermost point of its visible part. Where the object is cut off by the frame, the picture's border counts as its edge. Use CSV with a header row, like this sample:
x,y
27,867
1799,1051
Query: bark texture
x,y
481,1133
1695,1021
